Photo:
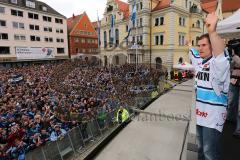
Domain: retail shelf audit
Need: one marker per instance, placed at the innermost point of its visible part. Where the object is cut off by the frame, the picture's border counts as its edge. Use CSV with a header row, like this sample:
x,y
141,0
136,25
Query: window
x,y
48,39
60,50
186,3
4,50
30,4
117,37
47,29
141,5
59,30
126,28
156,21
159,39
2,23
133,39
34,27
18,25
141,22
77,50
198,23
60,40
181,21
76,40
181,39
2,9
14,1
16,13
35,38
159,21
32,15
44,8
57,20
4,36
105,39
47,19
19,37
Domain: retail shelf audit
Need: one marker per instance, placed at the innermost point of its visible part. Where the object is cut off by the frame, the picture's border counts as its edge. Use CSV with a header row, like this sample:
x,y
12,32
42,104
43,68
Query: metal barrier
x,y
78,138
75,140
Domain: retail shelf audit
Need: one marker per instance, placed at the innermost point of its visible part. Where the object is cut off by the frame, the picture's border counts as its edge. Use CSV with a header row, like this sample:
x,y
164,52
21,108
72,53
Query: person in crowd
x,y
58,132
122,115
233,104
212,77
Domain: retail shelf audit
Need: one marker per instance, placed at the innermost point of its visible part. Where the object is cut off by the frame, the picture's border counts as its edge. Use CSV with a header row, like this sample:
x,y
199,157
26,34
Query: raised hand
x,y
211,22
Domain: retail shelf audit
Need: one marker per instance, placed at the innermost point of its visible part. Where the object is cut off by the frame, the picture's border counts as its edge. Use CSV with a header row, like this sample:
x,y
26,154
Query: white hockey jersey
x,y
212,78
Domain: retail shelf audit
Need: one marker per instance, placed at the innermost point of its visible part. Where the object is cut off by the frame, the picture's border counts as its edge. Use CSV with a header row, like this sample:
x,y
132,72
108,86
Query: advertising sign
x,y
34,53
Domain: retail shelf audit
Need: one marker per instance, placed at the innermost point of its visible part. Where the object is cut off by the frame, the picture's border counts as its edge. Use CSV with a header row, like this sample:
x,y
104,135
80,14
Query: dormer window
x,y
14,1
44,8
30,4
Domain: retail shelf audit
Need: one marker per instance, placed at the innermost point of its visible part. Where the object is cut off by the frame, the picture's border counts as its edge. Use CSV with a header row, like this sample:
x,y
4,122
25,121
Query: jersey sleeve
x,y
220,72
194,56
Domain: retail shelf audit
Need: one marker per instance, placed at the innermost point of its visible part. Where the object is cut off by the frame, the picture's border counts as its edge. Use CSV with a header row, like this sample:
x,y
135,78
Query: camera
x,y
234,45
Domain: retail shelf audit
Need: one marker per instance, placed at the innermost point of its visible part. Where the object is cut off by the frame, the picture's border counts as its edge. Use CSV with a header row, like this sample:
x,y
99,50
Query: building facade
x,y
114,52
31,31
82,36
161,30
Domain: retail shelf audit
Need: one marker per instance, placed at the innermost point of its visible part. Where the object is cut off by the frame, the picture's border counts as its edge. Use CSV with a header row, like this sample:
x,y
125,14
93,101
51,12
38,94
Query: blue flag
x,y
99,31
132,19
112,29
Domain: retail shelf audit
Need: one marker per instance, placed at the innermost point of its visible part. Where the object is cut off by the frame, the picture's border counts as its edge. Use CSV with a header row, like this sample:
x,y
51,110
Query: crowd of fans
x,y
47,100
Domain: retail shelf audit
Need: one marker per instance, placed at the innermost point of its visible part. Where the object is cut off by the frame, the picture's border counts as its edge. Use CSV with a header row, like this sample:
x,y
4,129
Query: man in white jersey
x,y
212,72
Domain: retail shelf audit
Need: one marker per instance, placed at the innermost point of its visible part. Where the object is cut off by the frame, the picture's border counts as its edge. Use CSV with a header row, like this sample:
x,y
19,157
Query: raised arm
x,y
216,41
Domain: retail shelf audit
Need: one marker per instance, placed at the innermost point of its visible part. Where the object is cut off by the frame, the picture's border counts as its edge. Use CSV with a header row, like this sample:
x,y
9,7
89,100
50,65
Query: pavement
x,y
159,132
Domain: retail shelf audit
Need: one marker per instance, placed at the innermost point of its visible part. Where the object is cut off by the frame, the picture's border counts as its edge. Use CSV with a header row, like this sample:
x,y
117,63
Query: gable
x,y
84,25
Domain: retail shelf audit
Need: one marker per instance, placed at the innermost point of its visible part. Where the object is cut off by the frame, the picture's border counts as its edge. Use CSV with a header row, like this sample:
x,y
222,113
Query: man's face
x,y
204,48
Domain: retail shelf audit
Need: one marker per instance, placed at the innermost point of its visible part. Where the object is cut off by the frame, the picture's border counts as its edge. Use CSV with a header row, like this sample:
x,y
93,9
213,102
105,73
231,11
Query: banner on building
x,y
34,53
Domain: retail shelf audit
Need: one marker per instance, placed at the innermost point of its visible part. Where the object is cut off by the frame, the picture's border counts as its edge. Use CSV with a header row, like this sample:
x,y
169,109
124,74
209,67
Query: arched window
x,y
158,63
197,38
117,37
180,60
110,38
198,23
105,39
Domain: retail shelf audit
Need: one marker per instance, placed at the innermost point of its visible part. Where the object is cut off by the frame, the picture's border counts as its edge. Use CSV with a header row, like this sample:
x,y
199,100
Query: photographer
x,y
234,87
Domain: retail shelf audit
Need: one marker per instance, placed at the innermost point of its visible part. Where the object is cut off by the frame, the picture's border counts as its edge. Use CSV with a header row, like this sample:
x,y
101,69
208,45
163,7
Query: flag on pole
x,y
112,29
99,31
132,19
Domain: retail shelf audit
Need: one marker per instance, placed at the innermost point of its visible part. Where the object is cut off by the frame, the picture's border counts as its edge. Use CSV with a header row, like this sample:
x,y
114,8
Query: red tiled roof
x,y
123,7
209,6
71,22
162,4
230,5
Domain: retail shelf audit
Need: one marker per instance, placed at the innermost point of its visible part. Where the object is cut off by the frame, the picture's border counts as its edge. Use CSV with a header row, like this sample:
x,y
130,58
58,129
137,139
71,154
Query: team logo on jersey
x,y
204,76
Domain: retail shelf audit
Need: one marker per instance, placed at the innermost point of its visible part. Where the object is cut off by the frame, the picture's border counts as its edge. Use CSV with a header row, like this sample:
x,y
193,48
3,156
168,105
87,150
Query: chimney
x,y
73,16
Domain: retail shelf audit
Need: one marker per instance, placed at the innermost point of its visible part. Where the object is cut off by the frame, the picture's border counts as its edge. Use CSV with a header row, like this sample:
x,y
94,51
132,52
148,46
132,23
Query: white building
x,y
31,30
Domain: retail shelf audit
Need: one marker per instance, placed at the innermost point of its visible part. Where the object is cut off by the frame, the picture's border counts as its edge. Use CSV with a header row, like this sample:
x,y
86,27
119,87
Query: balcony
x,y
194,9
196,29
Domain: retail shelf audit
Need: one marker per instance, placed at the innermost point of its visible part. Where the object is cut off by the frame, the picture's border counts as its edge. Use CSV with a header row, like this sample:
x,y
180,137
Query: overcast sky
x,y
68,7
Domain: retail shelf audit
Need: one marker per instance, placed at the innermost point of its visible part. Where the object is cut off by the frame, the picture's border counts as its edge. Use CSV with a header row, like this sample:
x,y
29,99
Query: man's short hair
x,y
205,36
